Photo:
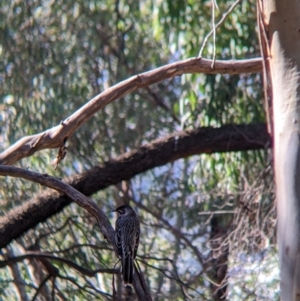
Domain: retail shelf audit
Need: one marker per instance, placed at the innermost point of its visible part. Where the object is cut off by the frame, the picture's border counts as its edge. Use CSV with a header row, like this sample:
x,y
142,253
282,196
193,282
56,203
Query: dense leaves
x,y
55,56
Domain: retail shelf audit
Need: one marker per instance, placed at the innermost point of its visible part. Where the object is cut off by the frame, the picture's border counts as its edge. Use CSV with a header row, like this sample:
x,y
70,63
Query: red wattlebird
x,y
127,240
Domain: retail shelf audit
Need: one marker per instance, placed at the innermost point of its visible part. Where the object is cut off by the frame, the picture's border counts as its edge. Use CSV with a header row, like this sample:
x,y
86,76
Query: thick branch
x,y
86,203
66,190
56,136
159,152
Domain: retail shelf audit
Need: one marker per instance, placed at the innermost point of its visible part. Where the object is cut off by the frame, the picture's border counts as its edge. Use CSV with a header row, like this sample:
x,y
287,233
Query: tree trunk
x,y
280,32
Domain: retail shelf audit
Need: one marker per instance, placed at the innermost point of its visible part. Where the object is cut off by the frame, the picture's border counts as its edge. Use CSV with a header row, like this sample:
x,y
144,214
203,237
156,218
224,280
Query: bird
x,y
127,239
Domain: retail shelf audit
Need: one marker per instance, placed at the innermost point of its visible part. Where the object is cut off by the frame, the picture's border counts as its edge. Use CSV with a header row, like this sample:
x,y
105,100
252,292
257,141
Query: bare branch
x,y
157,153
94,292
176,233
56,136
39,255
224,16
83,201
214,32
71,192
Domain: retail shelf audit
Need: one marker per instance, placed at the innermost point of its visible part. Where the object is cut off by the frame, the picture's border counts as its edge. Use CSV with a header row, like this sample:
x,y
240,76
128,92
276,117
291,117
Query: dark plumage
x,y
127,240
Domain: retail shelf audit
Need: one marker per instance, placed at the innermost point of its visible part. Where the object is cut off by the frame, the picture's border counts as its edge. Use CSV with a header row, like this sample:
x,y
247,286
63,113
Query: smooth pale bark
x,y
282,29
56,136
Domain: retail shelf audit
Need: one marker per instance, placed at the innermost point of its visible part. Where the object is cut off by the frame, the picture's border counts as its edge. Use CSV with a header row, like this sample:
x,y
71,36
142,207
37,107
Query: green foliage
x,y
55,56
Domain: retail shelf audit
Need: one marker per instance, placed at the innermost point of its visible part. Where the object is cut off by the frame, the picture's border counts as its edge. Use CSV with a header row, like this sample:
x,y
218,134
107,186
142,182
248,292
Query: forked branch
x,y
83,201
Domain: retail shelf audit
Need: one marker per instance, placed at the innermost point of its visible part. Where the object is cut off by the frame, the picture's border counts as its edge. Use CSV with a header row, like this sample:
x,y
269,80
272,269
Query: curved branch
x,y
176,233
224,16
56,136
157,153
40,255
85,288
40,287
56,184
83,201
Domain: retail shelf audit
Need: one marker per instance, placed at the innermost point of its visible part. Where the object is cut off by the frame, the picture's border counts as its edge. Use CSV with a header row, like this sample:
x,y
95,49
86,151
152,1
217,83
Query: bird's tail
x,y
127,270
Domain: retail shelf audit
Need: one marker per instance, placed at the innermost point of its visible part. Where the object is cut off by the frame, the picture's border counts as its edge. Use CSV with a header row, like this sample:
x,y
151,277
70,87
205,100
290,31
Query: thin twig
x,y
214,33
40,287
41,255
224,16
83,201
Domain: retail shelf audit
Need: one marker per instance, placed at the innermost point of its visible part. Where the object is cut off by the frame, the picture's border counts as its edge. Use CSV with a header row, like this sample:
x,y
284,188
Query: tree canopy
x,y
112,98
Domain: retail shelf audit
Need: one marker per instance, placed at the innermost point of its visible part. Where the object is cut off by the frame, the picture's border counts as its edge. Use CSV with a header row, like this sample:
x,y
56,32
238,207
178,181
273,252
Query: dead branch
x,y
157,153
215,26
83,201
42,255
57,135
75,195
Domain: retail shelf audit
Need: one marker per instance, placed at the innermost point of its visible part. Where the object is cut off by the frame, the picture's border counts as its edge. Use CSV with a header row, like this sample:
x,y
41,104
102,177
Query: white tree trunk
x,y
282,29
